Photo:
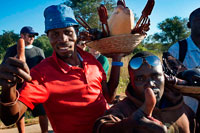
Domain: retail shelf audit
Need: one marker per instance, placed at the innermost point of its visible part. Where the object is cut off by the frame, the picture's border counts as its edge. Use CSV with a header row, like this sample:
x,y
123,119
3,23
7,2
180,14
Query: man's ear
x,y
188,25
22,35
76,30
131,76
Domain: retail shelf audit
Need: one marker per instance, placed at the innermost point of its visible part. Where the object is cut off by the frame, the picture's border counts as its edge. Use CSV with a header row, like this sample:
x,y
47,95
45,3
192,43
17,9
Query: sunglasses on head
x,y
136,63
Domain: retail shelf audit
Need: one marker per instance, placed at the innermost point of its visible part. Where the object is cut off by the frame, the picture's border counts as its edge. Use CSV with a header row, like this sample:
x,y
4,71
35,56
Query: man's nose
x,y
150,83
63,38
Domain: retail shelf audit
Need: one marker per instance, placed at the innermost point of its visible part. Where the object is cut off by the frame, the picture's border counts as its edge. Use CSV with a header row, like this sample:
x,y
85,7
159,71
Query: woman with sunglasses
x,y
149,106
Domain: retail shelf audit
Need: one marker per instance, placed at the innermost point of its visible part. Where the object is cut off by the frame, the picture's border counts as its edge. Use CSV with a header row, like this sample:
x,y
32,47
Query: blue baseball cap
x,y
59,16
29,30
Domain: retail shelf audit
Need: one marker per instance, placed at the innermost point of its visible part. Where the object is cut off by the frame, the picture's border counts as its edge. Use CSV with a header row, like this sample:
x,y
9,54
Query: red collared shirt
x,y
72,96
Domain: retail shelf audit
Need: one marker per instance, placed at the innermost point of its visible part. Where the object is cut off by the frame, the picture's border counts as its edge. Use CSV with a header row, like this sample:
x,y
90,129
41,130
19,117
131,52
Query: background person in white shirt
x,y
192,56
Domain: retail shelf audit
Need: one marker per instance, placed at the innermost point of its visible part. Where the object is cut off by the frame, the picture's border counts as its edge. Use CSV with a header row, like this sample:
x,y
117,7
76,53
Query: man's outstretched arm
x,y
13,71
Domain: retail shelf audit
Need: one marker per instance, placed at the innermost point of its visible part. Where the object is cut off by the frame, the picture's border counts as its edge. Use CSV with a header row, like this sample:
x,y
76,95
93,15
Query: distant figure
x,y
102,59
188,51
34,55
82,45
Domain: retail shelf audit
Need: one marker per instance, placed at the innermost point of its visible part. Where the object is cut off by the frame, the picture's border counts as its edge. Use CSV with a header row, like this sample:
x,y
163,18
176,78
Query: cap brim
x,y
34,33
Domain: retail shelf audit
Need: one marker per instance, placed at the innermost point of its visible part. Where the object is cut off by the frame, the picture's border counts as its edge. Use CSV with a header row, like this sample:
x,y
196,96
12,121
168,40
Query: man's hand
x,y
13,71
143,116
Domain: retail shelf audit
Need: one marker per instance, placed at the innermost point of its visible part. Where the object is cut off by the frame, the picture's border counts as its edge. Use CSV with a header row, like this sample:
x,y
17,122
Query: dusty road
x,y
29,129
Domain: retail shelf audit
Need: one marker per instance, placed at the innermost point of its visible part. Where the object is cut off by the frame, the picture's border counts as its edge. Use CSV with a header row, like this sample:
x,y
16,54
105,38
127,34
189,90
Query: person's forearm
x,y
8,94
114,79
10,107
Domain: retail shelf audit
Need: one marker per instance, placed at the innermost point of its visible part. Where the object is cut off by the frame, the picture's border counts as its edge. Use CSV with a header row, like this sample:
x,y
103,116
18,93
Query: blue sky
x,y
18,13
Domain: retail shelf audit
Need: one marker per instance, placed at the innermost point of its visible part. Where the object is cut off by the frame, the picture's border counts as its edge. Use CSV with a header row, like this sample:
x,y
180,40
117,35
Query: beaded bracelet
x,y
11,103
115,63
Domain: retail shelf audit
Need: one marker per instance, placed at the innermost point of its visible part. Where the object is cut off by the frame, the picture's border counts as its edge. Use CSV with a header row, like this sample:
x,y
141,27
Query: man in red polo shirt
x,y
71,83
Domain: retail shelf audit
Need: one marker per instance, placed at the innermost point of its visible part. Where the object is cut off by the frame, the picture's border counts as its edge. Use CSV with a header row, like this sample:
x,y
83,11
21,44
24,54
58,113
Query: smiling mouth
x,y
63,48
156,92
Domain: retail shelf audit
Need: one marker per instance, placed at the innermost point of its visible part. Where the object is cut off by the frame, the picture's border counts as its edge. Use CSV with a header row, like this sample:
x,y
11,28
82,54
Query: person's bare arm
x,y
10,115
109,88
12,72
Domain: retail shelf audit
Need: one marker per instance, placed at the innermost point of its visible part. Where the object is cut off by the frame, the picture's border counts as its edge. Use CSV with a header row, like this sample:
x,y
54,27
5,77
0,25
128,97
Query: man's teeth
x,y
63,48
156,91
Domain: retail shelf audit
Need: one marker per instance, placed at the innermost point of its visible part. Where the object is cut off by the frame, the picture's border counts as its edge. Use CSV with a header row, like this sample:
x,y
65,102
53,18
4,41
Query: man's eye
x,y
55,34
68,32
156,76
140,79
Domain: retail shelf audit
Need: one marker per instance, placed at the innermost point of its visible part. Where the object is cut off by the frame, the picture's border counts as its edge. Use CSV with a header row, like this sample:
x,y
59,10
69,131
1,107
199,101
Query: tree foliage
x,y
172,30
139,48
87,9
43,43
7,39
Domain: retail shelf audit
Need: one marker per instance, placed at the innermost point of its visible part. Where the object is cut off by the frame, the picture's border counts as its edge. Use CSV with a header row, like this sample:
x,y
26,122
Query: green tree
x,y
87,9
43,43
139,48
172,30
8,39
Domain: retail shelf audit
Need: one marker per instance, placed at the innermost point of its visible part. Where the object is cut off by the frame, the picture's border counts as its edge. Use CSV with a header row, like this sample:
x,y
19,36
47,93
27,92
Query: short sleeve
x,y
34,92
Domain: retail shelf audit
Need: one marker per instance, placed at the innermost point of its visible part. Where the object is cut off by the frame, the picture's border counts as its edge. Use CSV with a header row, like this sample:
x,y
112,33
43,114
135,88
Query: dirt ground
x,y
29,129
32,126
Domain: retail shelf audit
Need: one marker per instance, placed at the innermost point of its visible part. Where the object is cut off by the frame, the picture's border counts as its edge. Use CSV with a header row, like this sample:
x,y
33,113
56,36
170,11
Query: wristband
x,y
11,103
115,63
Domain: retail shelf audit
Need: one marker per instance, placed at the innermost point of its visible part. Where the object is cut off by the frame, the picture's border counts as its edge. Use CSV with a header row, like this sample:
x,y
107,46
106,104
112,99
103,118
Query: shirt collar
x,y
97,56
28,46
79,56
192,46
64,67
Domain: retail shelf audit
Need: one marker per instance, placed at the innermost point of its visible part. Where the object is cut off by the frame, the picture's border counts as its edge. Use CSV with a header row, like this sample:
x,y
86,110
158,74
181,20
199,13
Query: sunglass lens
x,y
153,60
31,36
136,63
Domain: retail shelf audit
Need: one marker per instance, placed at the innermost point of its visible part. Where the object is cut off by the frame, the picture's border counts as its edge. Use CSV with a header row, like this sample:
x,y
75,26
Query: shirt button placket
x,y
85,73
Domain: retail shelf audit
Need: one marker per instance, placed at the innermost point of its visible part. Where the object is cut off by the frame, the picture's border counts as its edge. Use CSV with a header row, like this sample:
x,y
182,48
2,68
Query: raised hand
x,y
143,120
21,50
13,71
150,102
